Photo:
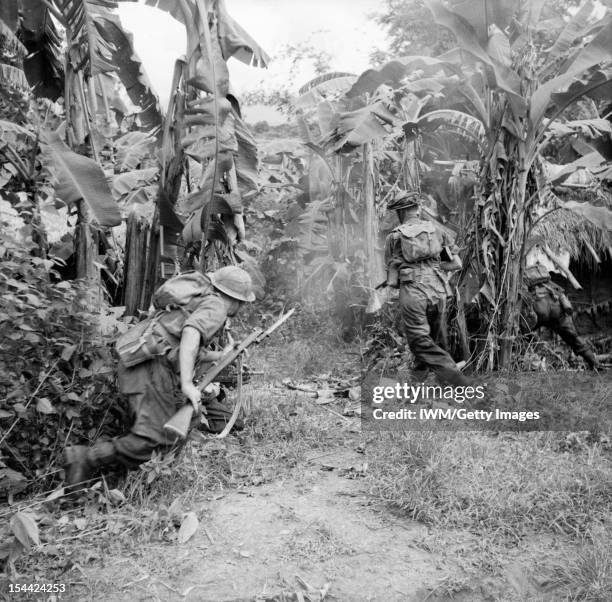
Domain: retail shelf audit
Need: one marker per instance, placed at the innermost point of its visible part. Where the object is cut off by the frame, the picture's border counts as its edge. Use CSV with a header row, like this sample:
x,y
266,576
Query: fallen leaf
x,y
188,528
67,352
44,406
25,529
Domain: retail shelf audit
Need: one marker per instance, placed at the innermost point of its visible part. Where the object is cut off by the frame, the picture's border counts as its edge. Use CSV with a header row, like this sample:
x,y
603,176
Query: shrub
x,y
56,370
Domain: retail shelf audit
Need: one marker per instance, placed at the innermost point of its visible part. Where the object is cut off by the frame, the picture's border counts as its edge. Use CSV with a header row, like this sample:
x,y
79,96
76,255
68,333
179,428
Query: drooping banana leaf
x,y
130,70
599,50
43,65
236,42
505,78
88,51
247,160
597,86
573,30
79,178
211,130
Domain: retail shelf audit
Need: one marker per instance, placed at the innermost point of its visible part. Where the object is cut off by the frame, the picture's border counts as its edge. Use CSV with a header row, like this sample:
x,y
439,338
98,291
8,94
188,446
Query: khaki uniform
x,y
424,290
545,304
154,392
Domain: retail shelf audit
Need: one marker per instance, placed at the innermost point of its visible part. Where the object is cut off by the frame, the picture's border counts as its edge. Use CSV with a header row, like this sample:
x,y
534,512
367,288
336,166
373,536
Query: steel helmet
x,y
234,282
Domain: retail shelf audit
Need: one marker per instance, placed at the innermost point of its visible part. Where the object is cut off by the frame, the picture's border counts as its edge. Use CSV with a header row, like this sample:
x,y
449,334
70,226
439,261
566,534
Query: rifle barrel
x,y
230,356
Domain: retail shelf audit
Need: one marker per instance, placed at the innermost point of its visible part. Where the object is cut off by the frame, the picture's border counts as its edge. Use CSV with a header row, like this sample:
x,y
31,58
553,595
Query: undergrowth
x,y
57,382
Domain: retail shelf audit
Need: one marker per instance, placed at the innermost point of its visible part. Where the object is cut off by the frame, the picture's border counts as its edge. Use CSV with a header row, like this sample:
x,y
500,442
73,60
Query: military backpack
x,y
173,302
420,240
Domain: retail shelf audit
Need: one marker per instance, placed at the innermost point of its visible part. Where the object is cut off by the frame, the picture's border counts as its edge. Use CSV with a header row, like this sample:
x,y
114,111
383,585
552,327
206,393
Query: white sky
x,y
340,27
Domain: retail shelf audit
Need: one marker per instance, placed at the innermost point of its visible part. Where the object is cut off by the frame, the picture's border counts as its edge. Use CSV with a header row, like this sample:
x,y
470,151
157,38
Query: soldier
x,y
547,305
413,253
157,363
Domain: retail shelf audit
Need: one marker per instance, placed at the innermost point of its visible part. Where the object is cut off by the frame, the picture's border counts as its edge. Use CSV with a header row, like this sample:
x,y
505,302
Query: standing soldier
x,y
413,254
157,364
546,304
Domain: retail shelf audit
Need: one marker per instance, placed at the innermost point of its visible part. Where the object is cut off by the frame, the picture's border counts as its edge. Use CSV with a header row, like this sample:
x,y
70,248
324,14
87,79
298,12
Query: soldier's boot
x,y
82,462
591,360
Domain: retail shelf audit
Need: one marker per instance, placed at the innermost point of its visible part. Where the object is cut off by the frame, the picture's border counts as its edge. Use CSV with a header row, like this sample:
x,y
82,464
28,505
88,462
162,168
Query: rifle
x,y
178,425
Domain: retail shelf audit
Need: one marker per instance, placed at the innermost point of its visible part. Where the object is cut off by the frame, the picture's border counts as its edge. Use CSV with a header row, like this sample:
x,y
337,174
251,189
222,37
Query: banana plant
x,y
522,102
204,125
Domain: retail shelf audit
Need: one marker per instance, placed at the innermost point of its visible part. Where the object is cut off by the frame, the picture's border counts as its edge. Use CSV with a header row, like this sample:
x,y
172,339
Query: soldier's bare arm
x,y
188,353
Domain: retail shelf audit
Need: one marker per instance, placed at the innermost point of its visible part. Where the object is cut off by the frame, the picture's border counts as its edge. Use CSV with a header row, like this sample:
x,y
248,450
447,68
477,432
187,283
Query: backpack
x,y
536,274
160,333
420,240
180,291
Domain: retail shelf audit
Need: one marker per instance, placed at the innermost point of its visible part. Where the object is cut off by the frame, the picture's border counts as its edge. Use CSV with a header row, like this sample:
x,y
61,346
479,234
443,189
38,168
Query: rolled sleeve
x,y
208,317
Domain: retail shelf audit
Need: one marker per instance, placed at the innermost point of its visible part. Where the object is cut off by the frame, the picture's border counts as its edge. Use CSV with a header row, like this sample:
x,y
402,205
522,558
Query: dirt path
x,y
258,542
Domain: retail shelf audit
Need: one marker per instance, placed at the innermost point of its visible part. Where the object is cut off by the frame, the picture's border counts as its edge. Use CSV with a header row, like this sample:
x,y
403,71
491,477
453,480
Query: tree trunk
x,y
85,246
513,261
374,267
152,264
135,268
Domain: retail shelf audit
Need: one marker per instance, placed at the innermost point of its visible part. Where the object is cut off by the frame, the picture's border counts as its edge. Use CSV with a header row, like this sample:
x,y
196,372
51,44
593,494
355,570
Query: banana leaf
x,y
505,78
43,66
79,178
599,50
130,70
574,29
363,125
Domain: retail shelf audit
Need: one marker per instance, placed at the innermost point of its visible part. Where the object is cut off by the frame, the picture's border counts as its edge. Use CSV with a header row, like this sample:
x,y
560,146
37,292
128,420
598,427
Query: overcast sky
x,y
340,27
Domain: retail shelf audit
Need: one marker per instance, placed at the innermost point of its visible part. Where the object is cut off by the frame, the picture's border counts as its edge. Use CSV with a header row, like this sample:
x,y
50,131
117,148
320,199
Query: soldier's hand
x,y
192,393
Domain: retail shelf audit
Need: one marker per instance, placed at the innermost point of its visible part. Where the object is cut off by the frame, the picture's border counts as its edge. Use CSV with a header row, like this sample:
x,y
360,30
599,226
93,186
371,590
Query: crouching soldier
x,y
545,304
157,363
413,256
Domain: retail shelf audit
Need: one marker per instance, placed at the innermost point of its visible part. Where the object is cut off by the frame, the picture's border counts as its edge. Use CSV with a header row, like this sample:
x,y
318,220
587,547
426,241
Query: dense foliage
x,y
56,370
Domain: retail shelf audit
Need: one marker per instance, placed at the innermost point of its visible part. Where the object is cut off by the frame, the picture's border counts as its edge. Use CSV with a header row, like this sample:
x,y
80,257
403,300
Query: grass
x,y
587,573
505,485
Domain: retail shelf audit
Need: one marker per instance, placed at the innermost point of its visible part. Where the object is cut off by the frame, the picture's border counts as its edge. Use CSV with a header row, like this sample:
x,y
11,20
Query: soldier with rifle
x,y
416,252
157,361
